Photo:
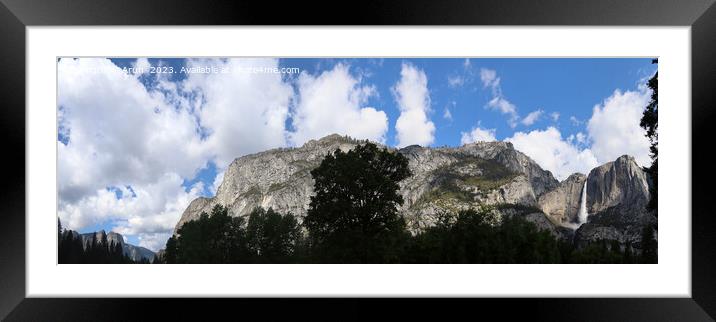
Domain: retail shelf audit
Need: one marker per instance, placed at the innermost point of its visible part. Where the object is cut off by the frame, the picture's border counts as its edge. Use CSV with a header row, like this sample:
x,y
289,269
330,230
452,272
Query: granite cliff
x,y
135,253
447,179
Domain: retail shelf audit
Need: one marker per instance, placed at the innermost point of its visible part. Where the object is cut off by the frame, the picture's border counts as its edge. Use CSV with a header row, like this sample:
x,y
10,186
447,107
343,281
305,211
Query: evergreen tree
x,y
170,251
215,238
649,254
650,122
353,215
271,237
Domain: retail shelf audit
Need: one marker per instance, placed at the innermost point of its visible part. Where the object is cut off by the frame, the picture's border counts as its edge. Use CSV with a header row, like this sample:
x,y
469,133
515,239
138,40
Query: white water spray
x,y
582,215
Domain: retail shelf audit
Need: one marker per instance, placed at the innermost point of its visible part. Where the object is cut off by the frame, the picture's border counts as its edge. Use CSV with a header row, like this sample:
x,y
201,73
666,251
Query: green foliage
x,y
649,254
472,238
267,237
218,238
601,252
72,251
353,216
271,237
650,122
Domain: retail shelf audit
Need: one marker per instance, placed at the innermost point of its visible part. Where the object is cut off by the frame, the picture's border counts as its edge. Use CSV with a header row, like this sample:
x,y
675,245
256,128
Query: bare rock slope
x,y
444,179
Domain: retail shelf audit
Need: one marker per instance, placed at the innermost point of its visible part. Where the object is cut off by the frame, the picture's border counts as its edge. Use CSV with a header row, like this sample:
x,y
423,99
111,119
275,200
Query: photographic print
x,y
401,160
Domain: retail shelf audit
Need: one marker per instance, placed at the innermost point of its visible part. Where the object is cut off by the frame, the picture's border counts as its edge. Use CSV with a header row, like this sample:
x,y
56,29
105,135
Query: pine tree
x,y
650,122
649,254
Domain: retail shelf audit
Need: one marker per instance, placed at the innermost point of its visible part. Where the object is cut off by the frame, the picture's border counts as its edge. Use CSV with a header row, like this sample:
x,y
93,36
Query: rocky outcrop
x,y
619,183
562,203
135,253
450,179
443,179
278,179
617,195
621,223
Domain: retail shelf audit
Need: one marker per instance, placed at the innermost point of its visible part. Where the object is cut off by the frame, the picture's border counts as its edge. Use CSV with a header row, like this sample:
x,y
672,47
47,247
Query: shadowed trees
x,y
267,237
650,122
353,216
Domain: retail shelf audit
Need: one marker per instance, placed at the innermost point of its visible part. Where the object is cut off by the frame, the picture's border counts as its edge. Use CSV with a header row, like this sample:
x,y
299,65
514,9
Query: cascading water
x,y
582,215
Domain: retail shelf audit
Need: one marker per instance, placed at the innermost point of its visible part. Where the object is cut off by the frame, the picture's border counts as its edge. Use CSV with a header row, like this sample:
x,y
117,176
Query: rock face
x,y
617,195
278,179
618,183
444,179
562,203
135,253
448,180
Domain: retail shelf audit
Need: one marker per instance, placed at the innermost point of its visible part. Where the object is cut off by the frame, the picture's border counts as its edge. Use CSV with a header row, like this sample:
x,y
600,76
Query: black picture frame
x,y
15,15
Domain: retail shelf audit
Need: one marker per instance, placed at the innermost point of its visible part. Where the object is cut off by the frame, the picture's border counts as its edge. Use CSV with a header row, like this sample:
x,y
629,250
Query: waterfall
x,y
582,215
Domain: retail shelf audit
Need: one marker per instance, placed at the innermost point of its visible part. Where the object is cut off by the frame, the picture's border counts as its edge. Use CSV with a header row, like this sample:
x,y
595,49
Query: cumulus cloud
x,y
118,132
141,210
478,134
614,127
613,130
126,149
532,117
411,94
581,138
551,152
332,102
242,111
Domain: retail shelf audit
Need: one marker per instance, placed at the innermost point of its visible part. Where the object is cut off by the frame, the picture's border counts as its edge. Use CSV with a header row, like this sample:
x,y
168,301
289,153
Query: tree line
x,y
72,249
353,218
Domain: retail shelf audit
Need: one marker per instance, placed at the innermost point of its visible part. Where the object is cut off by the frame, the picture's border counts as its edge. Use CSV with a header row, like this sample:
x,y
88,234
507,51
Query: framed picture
x,y
488,152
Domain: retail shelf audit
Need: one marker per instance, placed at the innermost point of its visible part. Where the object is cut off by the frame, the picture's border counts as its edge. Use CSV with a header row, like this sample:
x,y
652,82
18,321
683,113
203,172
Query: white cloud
x,y
547,148
505,107
332,102
554,116
145,210
532,117
447,115
119,133
411,93
614,127
244,112
218,179
498,102
489,78
456,81
581,138
141,65
122,134
478,134
575,121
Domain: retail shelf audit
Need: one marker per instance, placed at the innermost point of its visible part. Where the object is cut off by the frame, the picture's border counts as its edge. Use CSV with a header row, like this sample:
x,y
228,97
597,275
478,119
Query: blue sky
x,y
567,114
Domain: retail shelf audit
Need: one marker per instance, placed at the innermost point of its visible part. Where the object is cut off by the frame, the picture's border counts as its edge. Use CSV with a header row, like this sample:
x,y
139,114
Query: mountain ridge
x,y
443,179
135,253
